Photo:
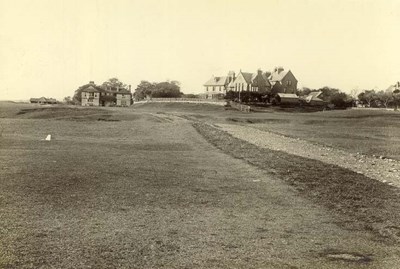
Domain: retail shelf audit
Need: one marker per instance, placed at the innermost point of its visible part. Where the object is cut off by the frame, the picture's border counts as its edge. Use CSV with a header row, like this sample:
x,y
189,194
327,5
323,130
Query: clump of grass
x,y
358,202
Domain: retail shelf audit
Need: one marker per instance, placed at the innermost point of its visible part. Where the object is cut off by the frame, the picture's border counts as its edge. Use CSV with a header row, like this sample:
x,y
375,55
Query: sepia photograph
x,y
150,134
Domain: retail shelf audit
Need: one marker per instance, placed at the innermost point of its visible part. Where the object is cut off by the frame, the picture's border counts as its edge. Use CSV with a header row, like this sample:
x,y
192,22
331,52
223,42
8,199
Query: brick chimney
x,y
231,76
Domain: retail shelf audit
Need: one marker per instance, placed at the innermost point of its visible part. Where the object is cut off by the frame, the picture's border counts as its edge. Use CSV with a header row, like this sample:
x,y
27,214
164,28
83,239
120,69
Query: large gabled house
x,y
283,81
279,81
254,82
93,95
217,87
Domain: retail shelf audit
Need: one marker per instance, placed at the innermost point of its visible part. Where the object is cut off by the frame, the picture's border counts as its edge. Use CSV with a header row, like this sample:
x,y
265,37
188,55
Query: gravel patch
x,y
377,167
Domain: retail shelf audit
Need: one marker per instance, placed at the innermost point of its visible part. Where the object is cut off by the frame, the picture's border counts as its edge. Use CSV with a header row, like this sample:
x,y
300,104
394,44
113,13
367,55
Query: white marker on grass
x,y
48,138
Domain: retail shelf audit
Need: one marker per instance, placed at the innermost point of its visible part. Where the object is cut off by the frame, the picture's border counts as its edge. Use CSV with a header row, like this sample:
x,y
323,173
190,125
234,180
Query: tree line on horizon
x,y
171,89
367,98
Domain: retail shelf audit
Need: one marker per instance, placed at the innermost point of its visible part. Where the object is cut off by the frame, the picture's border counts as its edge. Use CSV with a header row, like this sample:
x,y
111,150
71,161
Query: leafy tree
x,y
367,97
167,89
384,97
114,84
144,89
304,91
341,100
396,99
68,100
354,93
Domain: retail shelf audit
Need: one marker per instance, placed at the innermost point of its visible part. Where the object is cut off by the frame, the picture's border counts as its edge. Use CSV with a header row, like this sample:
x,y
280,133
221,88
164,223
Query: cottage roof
x,y
288,95
43,99
313,96
217,81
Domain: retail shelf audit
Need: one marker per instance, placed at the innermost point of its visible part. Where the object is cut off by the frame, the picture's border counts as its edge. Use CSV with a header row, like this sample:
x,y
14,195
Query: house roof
x,y
248,77
313,96
43,99
92,88
288,95
278,76
216,81
123,91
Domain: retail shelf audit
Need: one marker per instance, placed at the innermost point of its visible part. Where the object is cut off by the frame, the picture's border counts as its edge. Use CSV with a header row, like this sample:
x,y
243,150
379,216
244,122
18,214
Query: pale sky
x,y
51,47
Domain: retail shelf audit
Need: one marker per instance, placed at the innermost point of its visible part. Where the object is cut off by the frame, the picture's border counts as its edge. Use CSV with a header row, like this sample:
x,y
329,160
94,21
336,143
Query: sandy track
x,y
380,168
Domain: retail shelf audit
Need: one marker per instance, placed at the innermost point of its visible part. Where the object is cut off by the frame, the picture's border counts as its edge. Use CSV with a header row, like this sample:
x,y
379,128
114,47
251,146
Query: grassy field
x,y
371,132
141,188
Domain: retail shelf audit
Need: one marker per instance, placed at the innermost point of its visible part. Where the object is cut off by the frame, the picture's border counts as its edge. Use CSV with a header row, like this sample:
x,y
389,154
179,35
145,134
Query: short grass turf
x,y
360,202
119,189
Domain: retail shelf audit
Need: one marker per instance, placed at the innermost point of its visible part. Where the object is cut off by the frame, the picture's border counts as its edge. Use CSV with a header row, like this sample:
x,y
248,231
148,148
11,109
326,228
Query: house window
x,y
289,82
219,88
213,89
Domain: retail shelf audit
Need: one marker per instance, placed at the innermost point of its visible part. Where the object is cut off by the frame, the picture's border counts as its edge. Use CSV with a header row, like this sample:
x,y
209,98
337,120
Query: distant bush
x,y
190,95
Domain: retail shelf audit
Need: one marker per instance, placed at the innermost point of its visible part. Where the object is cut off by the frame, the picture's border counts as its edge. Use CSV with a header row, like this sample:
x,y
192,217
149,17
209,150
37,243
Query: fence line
x,y
373,108
183,100
244,108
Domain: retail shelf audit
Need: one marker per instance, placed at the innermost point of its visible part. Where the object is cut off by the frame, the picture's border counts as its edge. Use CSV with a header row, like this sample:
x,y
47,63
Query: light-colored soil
x,y
380,168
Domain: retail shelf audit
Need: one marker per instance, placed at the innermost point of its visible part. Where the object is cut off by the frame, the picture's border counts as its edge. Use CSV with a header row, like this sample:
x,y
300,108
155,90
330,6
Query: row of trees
x,y
372,98
367,98
167,89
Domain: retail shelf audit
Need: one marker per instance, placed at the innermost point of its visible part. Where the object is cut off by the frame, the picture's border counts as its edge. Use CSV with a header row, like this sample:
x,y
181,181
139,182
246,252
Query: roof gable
x,y
217,81
279,76
92,88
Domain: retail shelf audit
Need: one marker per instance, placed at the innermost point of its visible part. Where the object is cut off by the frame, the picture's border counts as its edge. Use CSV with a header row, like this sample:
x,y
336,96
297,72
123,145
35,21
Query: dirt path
x,y
382,169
